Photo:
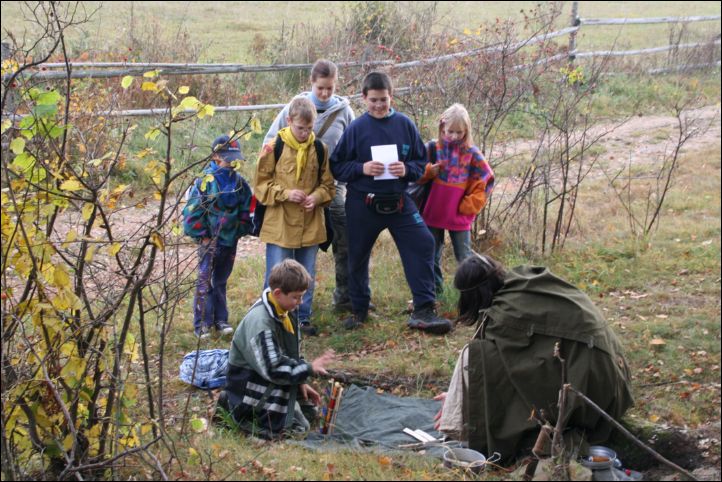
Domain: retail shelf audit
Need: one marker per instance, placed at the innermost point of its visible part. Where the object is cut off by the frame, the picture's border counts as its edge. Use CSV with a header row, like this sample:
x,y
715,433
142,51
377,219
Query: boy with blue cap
x,y
216,216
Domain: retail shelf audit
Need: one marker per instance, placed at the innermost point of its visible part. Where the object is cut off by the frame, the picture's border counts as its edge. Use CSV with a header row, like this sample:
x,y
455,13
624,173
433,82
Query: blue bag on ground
x,y
210,371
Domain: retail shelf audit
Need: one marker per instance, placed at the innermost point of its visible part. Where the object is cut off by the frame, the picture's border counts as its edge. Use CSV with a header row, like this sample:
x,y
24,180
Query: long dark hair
x,y
478,278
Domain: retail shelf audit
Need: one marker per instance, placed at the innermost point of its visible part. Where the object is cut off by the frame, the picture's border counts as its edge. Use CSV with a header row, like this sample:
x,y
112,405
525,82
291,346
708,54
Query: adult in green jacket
x,y
512,371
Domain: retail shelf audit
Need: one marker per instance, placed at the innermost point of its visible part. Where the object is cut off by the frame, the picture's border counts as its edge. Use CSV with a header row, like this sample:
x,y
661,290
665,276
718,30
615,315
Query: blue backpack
x,y
210,371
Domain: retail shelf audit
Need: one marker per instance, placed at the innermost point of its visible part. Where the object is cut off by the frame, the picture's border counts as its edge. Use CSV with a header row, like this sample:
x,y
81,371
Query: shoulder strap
x,y
329,120
432,152
278,148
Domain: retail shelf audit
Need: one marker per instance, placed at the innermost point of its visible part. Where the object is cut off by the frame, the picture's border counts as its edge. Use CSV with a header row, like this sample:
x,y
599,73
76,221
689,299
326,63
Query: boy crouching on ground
x,y
266,374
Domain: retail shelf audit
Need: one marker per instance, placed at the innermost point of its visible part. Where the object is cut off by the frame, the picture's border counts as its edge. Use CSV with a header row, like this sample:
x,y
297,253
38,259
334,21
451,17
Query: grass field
x,y
226,29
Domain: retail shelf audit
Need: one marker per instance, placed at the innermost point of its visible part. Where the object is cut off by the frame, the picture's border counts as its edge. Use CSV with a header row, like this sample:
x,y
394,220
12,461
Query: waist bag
x,y
385,203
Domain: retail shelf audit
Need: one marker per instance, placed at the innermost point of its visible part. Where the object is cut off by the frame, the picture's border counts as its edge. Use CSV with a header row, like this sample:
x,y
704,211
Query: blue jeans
x,y
307,257
460,240
214,269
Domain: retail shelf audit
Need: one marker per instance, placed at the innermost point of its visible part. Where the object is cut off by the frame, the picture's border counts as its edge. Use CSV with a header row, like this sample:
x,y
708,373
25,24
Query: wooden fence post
x,y
573,35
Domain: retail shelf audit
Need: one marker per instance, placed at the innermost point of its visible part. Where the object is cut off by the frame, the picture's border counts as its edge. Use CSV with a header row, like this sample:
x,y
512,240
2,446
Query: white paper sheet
x,y
385,154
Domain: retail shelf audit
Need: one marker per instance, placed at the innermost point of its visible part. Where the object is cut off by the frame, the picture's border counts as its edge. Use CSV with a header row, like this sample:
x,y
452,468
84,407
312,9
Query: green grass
x,y
226,30
664,287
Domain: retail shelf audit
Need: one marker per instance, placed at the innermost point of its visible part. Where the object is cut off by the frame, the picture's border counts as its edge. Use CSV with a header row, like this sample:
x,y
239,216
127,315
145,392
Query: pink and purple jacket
x,y
461,189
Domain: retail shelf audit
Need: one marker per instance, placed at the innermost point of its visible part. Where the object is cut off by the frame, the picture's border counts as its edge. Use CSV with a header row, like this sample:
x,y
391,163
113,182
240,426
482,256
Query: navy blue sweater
x,y
354,149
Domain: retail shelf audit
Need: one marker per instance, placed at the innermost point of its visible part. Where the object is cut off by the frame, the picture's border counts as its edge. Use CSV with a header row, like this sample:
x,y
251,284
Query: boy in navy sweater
x,y
375,205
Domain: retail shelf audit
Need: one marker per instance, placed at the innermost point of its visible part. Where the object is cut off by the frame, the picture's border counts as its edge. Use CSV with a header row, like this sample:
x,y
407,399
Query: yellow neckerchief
x,y
301,148
282,314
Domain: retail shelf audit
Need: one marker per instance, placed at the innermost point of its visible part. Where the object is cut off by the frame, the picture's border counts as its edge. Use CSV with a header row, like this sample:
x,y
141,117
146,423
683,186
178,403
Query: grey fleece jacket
x,y
332,134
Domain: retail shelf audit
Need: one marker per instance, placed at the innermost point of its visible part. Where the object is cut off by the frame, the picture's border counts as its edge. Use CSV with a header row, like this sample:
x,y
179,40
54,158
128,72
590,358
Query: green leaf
x,y
17,145
23,162
48,98
6,125
127,80
44,110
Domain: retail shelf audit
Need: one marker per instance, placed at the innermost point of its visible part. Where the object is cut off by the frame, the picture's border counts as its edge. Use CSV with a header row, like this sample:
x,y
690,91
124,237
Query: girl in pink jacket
x,y
462,182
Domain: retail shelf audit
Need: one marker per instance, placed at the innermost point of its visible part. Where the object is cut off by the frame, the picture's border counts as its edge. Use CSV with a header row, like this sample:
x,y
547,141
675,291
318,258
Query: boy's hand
x,y
397,168
319,364
309,203
296,196
435,168
373,168
308,393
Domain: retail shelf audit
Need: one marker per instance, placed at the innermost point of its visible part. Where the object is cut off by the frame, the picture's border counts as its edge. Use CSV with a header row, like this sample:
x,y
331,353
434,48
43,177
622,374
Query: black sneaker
x,y
224,328
308,329
426,319
355,321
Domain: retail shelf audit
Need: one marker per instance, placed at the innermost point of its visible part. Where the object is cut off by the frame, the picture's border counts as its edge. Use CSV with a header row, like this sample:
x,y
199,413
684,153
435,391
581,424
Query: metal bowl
x,y
599,452
465,459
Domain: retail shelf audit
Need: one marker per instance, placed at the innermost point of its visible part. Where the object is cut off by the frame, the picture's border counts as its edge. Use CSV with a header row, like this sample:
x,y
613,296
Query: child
x,y
216,216
375,205
295,189
462,182
266,373
334,116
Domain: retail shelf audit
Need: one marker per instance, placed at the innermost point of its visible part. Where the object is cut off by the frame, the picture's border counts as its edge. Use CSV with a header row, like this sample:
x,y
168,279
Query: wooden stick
x,y
629,435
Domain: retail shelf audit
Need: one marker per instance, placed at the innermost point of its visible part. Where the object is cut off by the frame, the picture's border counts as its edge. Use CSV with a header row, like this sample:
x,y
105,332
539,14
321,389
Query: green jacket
x,y
265,369
512,369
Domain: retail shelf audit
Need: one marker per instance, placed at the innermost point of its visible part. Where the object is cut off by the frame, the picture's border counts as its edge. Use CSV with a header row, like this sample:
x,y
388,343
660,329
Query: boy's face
x,y
300,128
288,301
378,103
220,161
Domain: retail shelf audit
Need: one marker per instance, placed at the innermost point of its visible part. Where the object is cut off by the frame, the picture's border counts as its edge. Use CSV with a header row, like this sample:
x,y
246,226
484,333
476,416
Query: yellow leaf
x,y
256,125
467,31
149,86
90,254
653,418
127,80
152,134
157,240
72,236
87,211
71,185
192,452
207,110
183,89
68,442
60,277
114,249
6,125
151,74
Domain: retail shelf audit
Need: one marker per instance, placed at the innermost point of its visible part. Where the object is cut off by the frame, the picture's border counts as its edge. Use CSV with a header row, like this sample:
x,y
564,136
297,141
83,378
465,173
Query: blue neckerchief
x,y
228,192
391,112
323,105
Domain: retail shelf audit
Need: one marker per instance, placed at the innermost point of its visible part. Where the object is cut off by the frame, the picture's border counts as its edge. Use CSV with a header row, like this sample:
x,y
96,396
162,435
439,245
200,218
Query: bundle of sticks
x,y
334,393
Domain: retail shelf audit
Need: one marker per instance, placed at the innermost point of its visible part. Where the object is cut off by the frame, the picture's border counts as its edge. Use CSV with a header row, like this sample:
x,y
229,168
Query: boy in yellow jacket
x,y
295,188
